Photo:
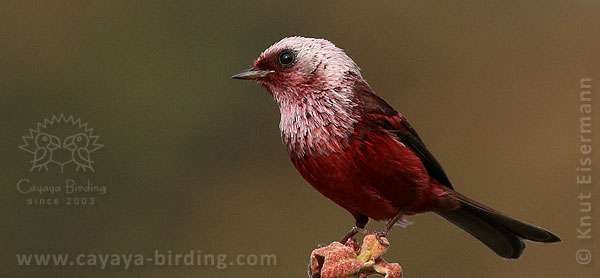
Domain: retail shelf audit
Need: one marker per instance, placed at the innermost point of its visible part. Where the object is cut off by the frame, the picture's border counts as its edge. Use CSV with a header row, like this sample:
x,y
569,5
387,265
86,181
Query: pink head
x,y
296,63
312,81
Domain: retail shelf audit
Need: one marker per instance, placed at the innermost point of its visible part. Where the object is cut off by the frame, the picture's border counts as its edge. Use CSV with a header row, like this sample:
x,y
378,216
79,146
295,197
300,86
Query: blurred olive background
x,y
192,160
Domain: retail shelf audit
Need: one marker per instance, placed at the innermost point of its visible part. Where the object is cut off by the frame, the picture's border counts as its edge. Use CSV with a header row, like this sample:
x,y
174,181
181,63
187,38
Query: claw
x,y
380,235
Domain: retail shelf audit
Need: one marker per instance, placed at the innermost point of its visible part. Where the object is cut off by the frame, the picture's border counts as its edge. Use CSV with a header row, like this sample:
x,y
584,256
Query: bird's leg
x,y
383,232
361,222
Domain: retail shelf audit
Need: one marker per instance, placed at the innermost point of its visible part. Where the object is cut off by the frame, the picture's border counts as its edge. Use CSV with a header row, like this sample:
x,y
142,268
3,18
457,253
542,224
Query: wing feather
x,y
383,115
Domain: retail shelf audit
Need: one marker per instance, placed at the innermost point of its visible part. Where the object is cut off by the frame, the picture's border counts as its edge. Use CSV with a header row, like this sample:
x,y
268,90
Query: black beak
x,y
252,74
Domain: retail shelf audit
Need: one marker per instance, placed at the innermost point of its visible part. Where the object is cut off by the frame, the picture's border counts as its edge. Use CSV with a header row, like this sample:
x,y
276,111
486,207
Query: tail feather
x,y
501,233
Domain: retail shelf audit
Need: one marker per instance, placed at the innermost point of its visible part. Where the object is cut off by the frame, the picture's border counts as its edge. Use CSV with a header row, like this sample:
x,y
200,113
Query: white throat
x,y
316,123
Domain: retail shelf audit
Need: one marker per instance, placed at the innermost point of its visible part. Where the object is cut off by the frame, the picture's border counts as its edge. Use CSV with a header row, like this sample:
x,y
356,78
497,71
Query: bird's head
x,y
76,141
299,65
313,82
45,140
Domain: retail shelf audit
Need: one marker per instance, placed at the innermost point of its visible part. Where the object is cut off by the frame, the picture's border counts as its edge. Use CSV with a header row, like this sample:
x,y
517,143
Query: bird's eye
x,y
286,58
79,138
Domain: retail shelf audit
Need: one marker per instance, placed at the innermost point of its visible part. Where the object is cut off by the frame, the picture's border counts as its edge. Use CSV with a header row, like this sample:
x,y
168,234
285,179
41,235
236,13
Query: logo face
x,y
61,142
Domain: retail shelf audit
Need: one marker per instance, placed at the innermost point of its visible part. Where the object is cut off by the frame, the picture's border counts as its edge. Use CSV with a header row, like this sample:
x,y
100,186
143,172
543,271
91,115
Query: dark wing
x,y
385,116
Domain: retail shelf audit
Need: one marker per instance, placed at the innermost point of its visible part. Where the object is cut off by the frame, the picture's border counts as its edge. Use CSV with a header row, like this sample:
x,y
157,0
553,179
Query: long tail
x,y
499,232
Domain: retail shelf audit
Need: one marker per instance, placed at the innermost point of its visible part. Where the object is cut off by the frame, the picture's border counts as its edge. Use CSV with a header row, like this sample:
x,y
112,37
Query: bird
x,y
45,144
358,151
78,145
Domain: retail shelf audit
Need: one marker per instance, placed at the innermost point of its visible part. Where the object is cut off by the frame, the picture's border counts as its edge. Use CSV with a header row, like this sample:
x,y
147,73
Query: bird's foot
x,y
355,230
380,235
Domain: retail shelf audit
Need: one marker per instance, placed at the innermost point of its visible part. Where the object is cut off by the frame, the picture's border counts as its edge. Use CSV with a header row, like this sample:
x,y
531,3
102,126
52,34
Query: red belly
x,y
375,176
